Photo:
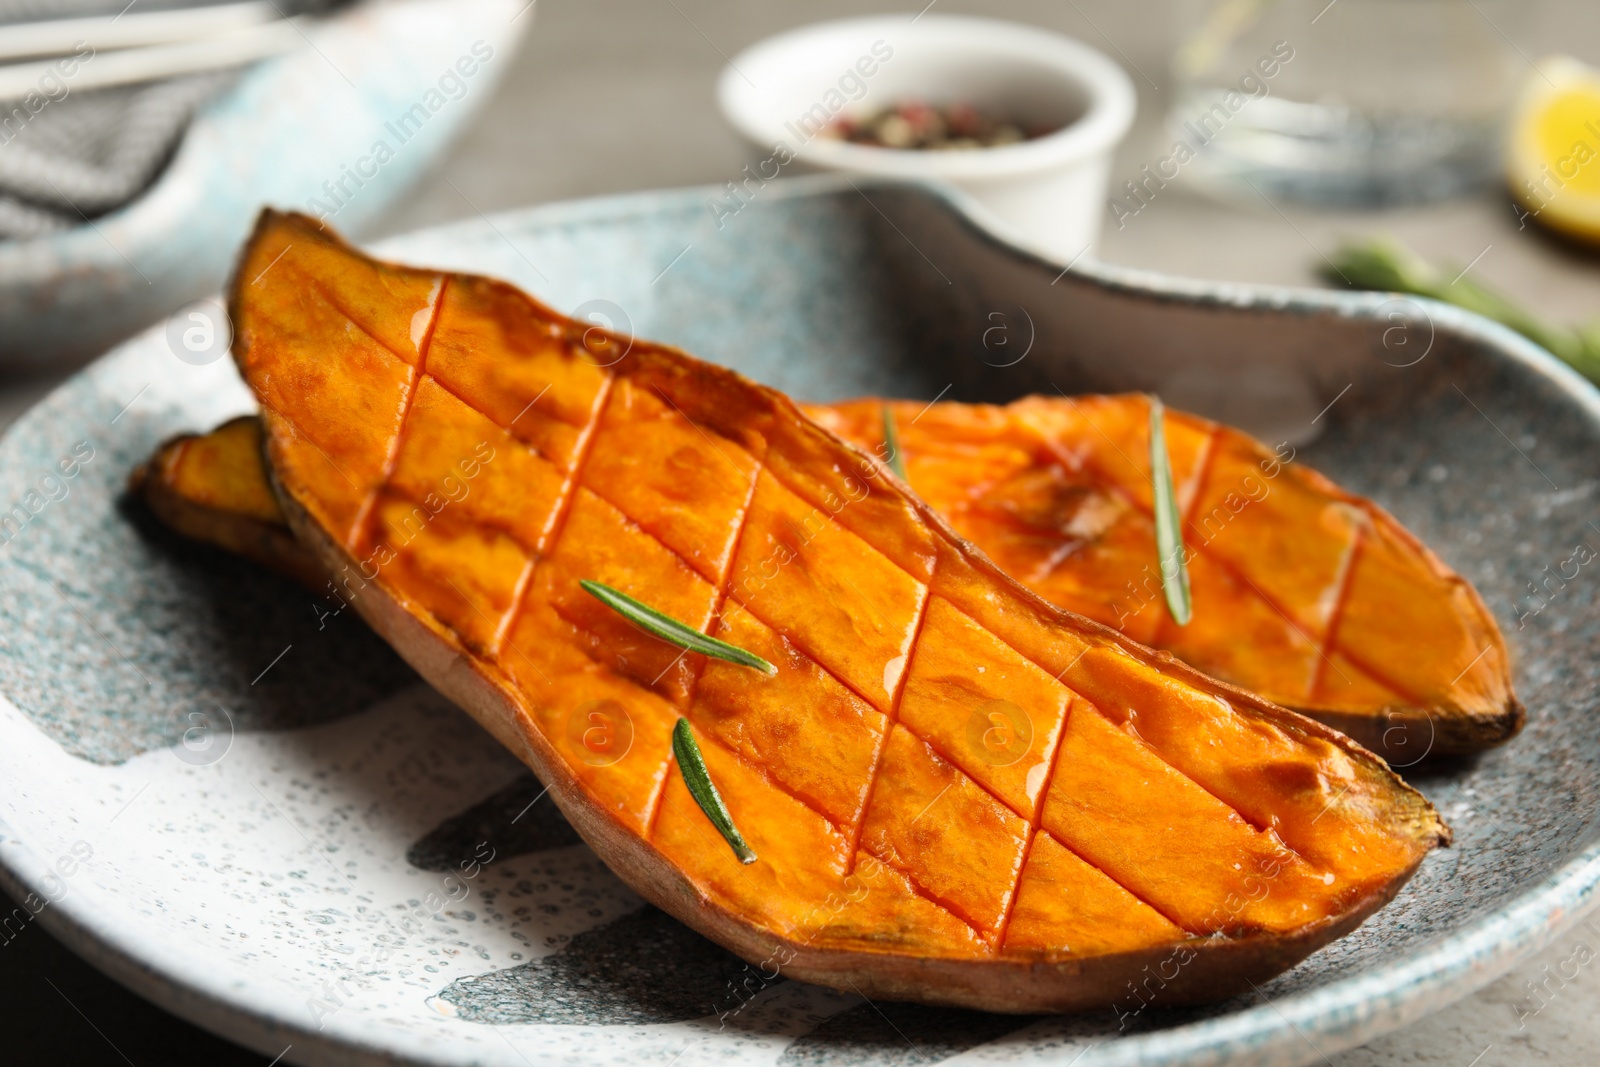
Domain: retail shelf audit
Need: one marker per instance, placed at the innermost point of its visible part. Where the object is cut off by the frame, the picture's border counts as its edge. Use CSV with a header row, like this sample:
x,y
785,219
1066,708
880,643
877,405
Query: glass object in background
x,y
1353,102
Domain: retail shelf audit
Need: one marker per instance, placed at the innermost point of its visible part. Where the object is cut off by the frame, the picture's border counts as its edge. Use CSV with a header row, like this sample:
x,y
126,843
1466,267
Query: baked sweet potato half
x,y
1305,594
1310,596
953,792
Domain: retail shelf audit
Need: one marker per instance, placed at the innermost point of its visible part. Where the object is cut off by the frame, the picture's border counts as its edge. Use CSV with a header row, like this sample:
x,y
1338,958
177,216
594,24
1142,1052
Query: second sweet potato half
x,y
1303,593
952,791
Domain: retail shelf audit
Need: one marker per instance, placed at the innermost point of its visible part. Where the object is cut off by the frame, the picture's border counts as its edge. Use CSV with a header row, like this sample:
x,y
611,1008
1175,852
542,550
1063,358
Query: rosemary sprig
x,y
1169,535
693,766
1386,264
891,444
671,630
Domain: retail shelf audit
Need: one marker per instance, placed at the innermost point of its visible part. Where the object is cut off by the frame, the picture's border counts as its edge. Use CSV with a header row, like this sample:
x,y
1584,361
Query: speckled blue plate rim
x,y
1291,1029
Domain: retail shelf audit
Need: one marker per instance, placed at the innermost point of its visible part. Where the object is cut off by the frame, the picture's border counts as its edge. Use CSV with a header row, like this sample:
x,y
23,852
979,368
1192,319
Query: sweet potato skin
x,y
1135,716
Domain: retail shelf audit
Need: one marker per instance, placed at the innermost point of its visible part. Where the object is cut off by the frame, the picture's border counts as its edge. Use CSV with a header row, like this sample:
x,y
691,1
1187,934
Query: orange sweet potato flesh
x,y
1304,594
958,793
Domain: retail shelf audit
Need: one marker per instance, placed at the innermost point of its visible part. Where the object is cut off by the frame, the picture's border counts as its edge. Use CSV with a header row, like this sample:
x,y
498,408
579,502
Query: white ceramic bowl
x,y
1048,193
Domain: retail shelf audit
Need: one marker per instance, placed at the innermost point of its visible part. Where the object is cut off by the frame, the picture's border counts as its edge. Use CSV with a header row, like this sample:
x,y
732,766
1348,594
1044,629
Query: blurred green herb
x,y
695,775
891,444
1385,264
1169,535
669,629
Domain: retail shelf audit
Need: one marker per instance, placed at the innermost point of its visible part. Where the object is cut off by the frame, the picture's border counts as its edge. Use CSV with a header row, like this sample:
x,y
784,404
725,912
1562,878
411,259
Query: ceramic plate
x,y
242,805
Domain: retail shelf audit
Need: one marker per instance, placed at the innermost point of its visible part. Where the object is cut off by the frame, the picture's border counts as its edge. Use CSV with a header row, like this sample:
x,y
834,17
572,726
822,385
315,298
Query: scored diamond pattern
x,y
983,707
465,572
601,544
1104,917
455,459
836,597
952,837
597,478
814,714
672,479
535,364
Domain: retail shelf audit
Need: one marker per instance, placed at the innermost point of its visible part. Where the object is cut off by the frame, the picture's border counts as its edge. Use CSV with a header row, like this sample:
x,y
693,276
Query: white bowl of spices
x,y
1021,119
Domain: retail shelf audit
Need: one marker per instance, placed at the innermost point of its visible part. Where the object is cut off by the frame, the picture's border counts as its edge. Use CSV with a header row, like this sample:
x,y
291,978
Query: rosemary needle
x,y
669,629
1169,536
891,444
698,779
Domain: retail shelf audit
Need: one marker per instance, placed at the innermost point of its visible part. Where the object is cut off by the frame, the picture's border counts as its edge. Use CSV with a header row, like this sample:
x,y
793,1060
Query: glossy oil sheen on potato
x,y
957,793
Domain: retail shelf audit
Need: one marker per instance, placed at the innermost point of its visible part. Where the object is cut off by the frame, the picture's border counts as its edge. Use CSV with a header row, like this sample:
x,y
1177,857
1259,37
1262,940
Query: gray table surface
x,y
617,95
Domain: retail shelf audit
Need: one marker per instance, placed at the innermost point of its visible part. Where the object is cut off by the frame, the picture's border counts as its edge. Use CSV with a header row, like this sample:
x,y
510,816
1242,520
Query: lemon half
x,y
1553,157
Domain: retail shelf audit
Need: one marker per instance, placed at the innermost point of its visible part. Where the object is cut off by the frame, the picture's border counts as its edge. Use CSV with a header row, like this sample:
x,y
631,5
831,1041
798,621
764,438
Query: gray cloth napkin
x,y
87,153
81,154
